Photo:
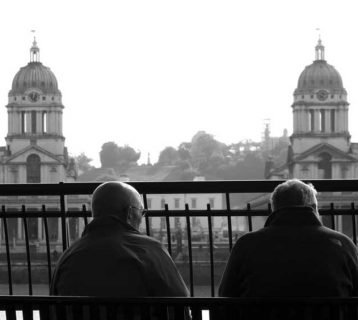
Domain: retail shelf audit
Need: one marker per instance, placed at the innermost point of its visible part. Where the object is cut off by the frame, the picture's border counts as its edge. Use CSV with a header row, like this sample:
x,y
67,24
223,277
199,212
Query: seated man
x,y
294,255
112,258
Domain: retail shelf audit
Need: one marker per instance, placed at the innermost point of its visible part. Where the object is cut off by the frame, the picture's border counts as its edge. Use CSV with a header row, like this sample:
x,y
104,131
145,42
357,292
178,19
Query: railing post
x,y
211,248
229,224
63,219
7,246
188,228
27,243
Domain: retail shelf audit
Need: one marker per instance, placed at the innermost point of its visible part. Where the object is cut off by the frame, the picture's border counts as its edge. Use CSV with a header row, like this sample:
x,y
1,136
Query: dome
x,y
34,75
319,75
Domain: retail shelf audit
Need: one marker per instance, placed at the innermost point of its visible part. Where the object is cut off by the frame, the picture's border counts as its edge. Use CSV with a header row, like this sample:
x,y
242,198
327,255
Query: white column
x,y
60,122
19,229
39,228
59,235
295,120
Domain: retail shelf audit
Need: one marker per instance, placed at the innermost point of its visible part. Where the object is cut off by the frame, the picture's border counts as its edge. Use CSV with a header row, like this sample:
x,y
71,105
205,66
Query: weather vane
x,y
319,33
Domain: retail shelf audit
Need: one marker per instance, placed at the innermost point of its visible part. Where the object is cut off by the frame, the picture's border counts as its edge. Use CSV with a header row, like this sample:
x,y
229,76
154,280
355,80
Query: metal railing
x,y
86,308
209,254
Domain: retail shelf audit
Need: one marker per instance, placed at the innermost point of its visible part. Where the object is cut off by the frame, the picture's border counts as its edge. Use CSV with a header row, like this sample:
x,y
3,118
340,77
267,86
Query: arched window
x,y
325,166
33,168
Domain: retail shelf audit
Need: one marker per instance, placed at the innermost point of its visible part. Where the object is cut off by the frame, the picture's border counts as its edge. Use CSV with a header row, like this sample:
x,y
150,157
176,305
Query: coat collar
x,y
108,224
293,216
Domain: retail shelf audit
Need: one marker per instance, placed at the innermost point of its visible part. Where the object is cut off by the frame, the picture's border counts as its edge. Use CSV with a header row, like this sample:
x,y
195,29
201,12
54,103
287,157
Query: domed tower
x,y
35,142
320,108
320,143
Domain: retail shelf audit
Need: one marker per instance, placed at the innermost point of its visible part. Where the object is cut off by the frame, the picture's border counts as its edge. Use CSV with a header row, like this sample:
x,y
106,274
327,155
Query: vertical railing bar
x,y
168,229
63,219
7,246
47,239
84,211
333,223
249,217
354,224
211,248
229,218
146,218
27,242
188,228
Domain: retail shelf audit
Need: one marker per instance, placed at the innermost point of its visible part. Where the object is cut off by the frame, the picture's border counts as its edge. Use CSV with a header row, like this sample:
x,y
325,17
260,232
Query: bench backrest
x,y
78,308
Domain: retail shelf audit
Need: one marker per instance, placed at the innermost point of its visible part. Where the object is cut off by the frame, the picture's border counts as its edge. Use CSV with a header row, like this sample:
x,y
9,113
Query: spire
x,y
34,51
319,49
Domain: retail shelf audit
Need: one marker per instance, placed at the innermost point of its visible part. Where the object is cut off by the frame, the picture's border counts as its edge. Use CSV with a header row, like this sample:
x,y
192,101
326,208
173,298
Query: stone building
x,y
35,150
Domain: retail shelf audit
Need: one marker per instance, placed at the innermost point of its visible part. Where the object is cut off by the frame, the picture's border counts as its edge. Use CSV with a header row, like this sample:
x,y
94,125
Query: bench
x,y
95,308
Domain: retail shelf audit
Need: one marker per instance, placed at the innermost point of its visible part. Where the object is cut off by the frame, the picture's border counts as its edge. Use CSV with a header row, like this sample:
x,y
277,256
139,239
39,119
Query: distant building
x,y
35,149
320,144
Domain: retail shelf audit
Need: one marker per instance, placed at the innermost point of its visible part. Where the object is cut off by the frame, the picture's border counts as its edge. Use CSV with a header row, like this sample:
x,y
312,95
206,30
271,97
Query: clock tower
x,y
320,143
35,145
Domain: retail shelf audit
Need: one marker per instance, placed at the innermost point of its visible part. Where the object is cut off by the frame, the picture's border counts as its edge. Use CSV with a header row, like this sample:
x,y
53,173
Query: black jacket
x,y
294,255
114,259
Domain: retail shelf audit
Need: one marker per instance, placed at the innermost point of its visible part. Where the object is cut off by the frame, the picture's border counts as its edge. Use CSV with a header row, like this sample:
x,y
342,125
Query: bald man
x,y
112,258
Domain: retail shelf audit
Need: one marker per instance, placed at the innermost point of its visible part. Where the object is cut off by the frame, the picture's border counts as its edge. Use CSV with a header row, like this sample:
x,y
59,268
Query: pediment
x,y
45,156
313,154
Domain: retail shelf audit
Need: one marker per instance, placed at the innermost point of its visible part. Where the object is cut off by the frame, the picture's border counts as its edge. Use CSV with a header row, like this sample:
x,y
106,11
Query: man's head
x,y
118,199
294,193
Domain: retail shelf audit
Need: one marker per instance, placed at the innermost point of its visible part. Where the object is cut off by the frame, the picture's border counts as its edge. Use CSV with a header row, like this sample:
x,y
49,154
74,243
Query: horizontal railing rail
x,y
195,254
42,307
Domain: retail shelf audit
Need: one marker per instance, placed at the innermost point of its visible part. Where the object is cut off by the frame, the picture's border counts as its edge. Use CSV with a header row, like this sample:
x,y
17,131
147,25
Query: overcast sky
x,y
151,73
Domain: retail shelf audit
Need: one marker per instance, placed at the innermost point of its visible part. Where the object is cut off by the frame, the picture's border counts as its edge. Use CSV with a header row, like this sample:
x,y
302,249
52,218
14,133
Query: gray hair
x,y
293,193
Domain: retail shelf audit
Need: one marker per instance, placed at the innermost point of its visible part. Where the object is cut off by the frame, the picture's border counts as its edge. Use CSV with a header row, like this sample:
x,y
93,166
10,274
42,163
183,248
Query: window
x,y
33,121
162,204
149,203
33,226
325,166
23,98
193,203
176,203
33,168
323,120
43,98
212,203
23,122
333,120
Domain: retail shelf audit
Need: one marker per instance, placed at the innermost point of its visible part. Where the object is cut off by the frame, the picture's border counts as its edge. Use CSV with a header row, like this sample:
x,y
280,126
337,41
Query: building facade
x,y
35,150
320,146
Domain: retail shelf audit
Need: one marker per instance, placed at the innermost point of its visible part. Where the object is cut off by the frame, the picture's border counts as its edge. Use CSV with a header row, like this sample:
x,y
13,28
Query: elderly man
x,y
112,258
294,255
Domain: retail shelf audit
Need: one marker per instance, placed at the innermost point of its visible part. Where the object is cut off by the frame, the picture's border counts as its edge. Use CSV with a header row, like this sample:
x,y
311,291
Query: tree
x,y
168,156
113,156
127,156
205,148
83,163
109,155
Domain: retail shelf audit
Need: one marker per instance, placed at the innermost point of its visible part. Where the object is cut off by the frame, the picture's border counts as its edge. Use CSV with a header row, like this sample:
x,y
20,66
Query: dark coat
x,y
294,255
114,259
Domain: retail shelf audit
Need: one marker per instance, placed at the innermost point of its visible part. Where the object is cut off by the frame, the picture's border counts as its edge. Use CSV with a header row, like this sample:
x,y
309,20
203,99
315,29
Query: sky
x,y
152,73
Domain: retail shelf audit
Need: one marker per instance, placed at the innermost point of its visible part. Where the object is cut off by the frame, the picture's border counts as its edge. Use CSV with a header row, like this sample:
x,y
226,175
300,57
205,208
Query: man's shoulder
x,y
338,236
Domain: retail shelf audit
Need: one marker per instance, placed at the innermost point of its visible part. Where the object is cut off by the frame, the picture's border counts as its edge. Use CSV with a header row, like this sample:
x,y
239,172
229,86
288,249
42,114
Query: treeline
x,y
202,156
